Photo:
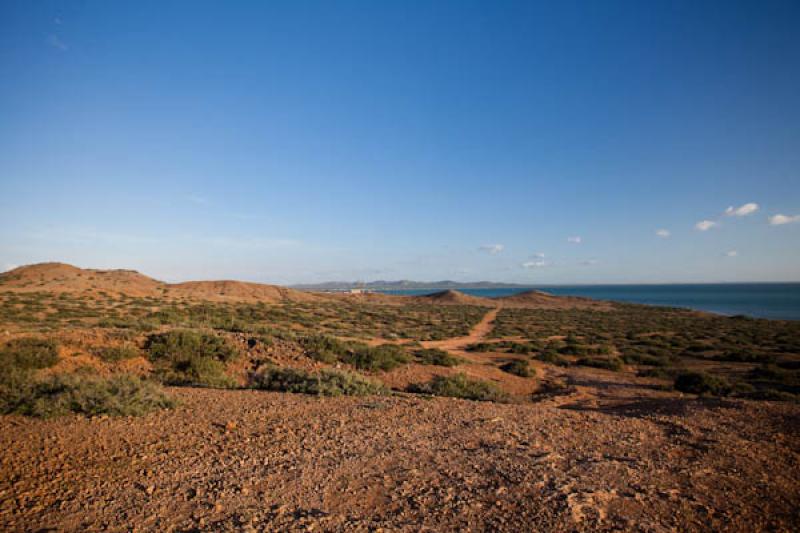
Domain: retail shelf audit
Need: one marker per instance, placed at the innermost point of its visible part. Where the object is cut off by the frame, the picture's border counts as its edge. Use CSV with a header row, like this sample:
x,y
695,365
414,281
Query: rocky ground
x,y
252,460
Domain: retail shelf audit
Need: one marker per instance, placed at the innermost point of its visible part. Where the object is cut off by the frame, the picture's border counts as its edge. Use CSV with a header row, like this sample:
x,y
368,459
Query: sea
x,y
760,300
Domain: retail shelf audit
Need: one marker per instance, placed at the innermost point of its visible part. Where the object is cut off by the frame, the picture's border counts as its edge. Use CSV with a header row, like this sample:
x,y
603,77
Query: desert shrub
x,y
646,359
610,363
519,367
552,357
435,356
482,347
323,347
30,353
702,383
190,358
327,382
460,386
87,394
113,354
383,357
658,372
182,343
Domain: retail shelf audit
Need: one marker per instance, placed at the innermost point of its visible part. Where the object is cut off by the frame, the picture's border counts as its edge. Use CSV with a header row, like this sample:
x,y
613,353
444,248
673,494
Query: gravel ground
x,y
253,460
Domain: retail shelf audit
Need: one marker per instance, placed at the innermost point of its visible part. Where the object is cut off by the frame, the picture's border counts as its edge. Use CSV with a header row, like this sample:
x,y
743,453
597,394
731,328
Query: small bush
x,y
191,358
384,357
327,382
519,367
323,348
435,356
112,354
552,357
30,353
460,386
182,343
612,363
91,395
702,383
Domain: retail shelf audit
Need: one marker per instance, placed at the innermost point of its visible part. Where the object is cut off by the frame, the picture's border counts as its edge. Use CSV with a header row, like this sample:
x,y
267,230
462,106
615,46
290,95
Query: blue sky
x,y
306,141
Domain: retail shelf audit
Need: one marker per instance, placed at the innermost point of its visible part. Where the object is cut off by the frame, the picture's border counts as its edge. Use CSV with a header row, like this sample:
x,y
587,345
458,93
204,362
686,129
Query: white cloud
x,y
56,42
663,233
742,210
8,266
705,225
779,219
492,249
538,255
575,240
731,253
539,263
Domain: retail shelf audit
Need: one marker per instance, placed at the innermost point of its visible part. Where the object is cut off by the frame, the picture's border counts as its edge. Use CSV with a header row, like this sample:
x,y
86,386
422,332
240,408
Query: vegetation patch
x,y
113,354
192,358
362,356
702,383
519,367
437,357
607,363
87,394
326,382
460,386
30,353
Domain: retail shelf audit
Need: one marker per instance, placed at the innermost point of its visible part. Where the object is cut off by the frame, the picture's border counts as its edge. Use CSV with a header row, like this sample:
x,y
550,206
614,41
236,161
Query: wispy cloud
x,y
575,240
742,210
492,249
56,42
705,225
538,263
780,220
731,253
663,233
590,262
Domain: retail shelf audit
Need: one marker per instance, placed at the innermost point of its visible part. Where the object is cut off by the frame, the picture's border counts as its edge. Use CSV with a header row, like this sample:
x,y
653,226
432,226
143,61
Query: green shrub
x,y
702,383
552,357
91,395
113,354
435,356
30,353
460,386
519,367
191,358
383,357
323,347
182,343
610,363
327,382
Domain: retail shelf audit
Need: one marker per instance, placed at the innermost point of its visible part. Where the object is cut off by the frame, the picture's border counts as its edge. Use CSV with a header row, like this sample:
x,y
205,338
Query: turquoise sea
x,y
762,300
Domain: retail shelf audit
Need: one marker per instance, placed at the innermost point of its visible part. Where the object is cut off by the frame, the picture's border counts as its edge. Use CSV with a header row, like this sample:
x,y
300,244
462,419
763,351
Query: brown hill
x,y
454,298
61,278
542,300
238,291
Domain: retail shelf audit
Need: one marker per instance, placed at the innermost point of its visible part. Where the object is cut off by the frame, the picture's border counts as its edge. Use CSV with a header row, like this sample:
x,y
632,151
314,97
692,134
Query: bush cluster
x,y
186,357
519,367
437,357
460,386
362,356
30,353
326,382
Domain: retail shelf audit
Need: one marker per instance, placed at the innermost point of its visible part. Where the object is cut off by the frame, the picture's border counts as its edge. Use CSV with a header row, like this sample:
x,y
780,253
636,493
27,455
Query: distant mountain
x,y
405,284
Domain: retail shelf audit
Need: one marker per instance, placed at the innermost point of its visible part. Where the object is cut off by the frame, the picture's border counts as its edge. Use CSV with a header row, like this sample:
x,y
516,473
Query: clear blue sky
x,y
307,141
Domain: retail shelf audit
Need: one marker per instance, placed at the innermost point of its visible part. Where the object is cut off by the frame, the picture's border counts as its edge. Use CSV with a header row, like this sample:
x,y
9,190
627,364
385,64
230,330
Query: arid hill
x,y
536,299
238,291
60,277
64,278
455,297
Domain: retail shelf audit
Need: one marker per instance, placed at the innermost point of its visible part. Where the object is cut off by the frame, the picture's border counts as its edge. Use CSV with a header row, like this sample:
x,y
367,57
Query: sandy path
x,y
476,334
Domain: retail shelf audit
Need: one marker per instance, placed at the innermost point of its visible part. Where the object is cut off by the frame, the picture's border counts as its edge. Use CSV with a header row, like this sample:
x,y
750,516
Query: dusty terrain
x,y
575,448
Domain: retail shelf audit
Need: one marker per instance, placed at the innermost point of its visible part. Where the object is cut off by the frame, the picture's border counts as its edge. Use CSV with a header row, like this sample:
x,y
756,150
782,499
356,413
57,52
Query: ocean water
x,y
762,300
